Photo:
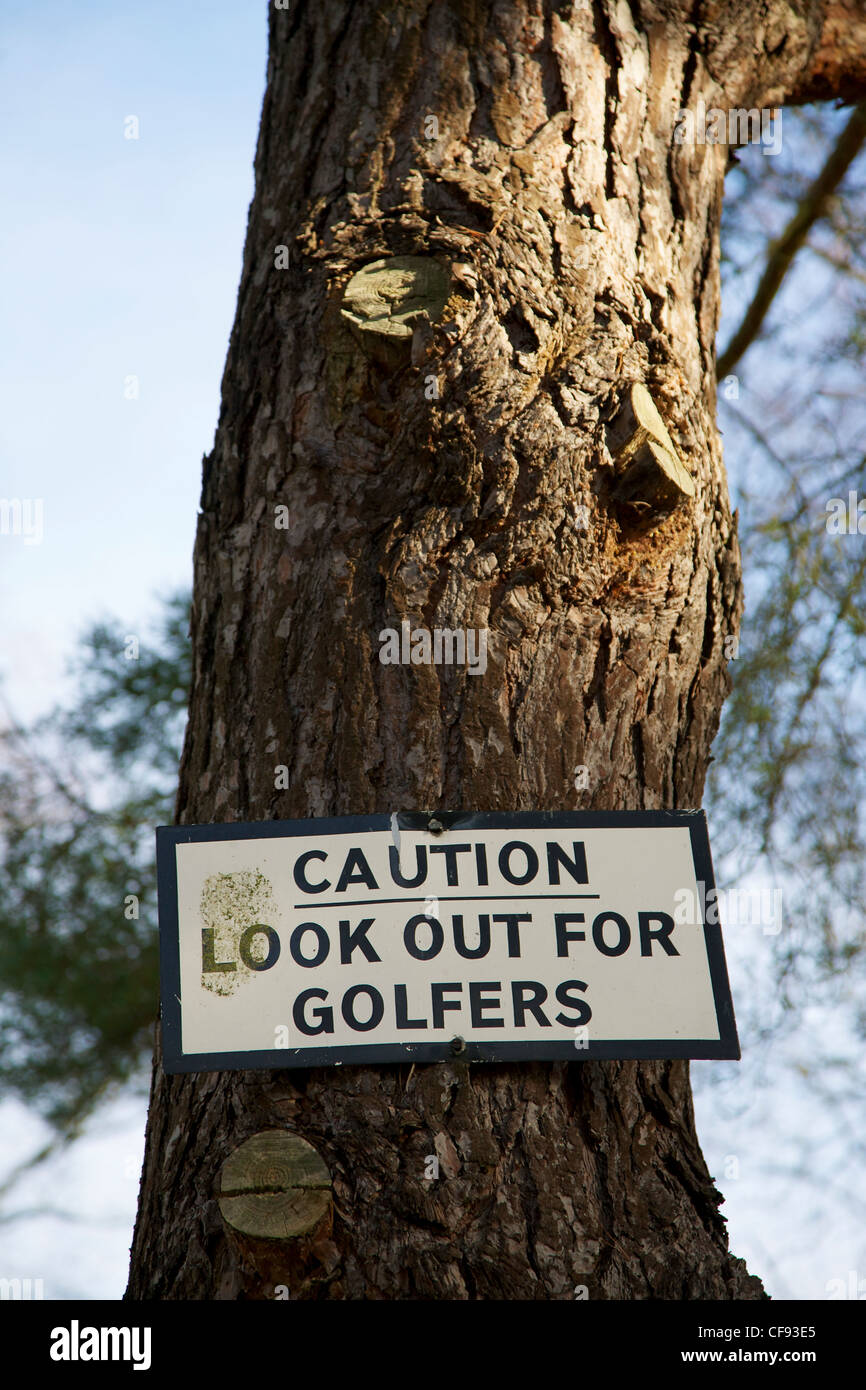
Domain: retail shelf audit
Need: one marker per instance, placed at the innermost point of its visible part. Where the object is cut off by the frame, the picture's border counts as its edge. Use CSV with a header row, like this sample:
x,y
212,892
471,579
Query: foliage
x,y
80,794
787,785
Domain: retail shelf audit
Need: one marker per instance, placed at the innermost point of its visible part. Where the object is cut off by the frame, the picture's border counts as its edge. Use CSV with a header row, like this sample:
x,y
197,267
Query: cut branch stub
x,y
386,301
275,1186
648,473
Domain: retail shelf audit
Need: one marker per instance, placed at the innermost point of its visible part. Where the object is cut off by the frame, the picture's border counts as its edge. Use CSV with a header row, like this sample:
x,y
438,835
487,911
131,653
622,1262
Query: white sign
x,y
490,936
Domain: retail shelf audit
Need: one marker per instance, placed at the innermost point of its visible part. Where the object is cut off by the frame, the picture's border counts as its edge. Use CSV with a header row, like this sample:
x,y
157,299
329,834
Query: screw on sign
x,y
275,1186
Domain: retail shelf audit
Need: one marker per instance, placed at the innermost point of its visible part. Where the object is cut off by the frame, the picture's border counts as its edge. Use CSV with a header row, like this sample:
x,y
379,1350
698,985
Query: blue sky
x,y
120,258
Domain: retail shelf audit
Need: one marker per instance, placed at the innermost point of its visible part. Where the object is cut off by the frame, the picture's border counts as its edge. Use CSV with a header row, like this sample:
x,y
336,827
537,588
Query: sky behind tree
x,y
121,259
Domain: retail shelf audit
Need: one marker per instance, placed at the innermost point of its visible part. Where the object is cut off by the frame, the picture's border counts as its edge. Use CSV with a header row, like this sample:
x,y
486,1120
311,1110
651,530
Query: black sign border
x,y
175,1061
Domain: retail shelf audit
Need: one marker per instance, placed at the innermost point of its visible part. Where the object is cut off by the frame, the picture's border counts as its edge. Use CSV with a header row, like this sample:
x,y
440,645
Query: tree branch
x,y
838,69
811,209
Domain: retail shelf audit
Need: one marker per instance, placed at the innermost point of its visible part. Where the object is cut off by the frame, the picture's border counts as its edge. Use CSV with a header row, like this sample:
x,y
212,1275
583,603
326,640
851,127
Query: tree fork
x,y
527,147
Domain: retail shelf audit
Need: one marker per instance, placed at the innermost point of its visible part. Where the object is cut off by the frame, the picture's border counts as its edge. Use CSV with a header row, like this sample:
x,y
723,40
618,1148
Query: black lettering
x,y
451,852
440,1003
246,954
420,862
483,946
350,941
563,935
324,1017
481,864
301,877
208,963
347,1008
295,944
624,933
511,920
438,937
505,862
402,1011
576,867
356,870
520,1003
661,934
478,1003
563,993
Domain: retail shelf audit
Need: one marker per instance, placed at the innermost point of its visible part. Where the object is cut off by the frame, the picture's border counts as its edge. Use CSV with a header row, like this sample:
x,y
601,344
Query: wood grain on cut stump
x,y
386,300
274,1187
649,473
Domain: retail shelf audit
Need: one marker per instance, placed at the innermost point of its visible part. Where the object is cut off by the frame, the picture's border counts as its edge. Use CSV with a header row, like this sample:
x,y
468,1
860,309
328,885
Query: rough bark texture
x,y
583,248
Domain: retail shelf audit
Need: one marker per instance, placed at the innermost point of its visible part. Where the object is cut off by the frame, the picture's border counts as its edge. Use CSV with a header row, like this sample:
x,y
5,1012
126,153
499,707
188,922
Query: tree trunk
x,y
462,478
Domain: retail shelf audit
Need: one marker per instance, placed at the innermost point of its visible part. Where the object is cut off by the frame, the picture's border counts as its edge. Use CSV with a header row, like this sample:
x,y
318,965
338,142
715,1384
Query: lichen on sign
x,y
230,904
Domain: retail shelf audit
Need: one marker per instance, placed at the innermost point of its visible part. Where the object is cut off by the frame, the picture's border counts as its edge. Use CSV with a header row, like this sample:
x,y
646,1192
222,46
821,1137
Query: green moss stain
x,y
229,904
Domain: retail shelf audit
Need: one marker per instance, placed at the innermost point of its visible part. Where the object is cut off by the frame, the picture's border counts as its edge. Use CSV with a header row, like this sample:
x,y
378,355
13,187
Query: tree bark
x,y
581,244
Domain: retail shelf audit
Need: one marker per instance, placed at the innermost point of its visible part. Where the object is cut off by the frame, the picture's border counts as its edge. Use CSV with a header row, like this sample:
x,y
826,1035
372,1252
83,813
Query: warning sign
x,y
419,937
